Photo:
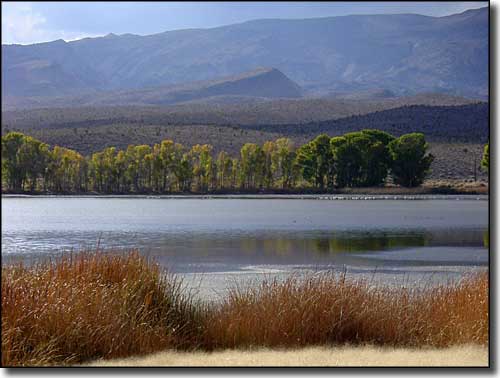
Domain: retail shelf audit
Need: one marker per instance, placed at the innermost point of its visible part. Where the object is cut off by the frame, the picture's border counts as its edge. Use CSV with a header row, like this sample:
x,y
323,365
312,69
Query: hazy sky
x,y
31,22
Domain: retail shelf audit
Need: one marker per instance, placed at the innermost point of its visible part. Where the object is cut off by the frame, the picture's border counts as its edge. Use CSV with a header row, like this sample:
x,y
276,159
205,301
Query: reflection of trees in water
x,y
486,238
367,243
379,242
344,242
457,237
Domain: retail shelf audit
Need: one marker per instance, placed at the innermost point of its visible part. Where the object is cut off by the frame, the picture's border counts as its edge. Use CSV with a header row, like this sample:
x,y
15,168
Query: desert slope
x,y
403,53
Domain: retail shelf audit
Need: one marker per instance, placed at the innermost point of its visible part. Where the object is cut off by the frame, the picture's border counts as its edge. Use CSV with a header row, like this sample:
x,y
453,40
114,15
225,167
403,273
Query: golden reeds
x,y
91,305
328,309
106,305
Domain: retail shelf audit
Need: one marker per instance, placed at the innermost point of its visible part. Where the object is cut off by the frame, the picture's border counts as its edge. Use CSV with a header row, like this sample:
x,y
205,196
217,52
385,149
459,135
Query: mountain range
x,y
350,56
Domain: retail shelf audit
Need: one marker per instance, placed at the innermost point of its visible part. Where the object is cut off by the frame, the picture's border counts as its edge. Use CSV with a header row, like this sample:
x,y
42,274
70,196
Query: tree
x,y
361,158
12,171
252,166
268,150
315,160
156,169
235,176
201,162
283,163
168,160
377,156
184,173
410,161
350,164
142,155
122,184
66,170
485,162
179,167
224,165
33,156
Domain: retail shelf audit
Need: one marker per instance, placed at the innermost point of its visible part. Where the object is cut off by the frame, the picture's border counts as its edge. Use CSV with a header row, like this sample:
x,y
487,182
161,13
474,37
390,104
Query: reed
x,y
96,305
328,309
90,305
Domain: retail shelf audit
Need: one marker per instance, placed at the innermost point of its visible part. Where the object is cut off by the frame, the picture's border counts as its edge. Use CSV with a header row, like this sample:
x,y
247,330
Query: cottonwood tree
x,y
410,161
315,160
485,162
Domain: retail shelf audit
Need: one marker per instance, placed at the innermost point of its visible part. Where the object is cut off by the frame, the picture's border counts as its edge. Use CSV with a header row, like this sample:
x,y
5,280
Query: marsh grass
x,y
328,309
90,306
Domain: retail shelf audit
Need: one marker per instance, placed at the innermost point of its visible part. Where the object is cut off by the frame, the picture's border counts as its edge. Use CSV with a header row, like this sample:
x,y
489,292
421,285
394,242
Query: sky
x,y
34,22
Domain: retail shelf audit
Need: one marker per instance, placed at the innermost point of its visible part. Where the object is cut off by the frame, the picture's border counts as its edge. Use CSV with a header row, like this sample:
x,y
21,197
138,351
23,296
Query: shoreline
x,y
430,190
338,197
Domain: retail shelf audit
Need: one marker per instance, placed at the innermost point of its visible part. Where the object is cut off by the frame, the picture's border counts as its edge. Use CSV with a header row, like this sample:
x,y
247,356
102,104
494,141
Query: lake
x,y
217,242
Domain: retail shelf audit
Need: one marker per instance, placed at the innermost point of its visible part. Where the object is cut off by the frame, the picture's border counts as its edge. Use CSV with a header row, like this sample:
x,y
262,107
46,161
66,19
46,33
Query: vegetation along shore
x,y
372,160
95,305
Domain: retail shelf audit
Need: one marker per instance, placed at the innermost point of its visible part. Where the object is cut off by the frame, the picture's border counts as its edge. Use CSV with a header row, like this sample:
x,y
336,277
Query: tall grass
x,y
328,309
100,305
92,305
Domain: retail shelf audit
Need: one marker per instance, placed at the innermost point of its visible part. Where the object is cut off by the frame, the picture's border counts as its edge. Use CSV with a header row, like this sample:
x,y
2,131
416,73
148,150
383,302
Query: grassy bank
x,y
91,306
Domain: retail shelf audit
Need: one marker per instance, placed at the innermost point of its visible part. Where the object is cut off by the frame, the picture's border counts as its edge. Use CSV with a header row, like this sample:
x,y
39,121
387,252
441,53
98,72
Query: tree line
x,y
357,159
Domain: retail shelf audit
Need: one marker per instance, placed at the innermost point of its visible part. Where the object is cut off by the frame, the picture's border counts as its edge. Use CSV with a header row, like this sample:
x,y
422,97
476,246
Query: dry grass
x,y
465,355
327,309
94,305
88,306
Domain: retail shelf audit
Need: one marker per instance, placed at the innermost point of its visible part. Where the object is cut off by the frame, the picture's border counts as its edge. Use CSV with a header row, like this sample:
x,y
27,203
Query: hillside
x,y
444,124
257,85
402,53
466,123
251,111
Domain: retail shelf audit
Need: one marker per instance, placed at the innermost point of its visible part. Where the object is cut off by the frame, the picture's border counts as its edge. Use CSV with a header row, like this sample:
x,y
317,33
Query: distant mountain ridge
x,y
266,83
403,54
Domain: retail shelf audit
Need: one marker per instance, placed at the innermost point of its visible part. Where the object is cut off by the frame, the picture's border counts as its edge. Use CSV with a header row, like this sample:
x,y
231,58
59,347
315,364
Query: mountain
x,y
263,84
400,53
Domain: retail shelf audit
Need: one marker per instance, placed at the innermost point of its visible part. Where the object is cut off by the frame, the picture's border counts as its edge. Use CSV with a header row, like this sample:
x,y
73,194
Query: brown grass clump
x,y
327,309
91,305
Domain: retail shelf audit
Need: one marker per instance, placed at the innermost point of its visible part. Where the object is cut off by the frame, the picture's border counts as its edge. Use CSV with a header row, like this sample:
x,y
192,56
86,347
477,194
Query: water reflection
x,y
486,238
244,247
366,243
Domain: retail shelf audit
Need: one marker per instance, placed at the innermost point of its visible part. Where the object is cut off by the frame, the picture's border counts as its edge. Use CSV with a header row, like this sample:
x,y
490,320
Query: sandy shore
x,y
469,355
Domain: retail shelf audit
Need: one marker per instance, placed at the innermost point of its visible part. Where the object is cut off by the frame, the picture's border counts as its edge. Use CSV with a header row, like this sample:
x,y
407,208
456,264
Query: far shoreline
x,y
332,196
429,190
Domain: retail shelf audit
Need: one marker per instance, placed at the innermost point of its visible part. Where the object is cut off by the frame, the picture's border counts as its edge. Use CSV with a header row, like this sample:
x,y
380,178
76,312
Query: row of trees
x,y
363,158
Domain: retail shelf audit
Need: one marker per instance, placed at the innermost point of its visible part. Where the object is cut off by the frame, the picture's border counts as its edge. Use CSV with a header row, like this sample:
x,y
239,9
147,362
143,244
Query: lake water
x,y
216,243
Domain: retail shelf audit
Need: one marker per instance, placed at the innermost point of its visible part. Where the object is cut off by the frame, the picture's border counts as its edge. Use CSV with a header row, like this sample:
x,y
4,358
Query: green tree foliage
x,y
224,166
24,161
268,150
315,160
201,163
355,159
12,171
67,171
283,163
361,158
485,162
252,165
410,161
348,152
